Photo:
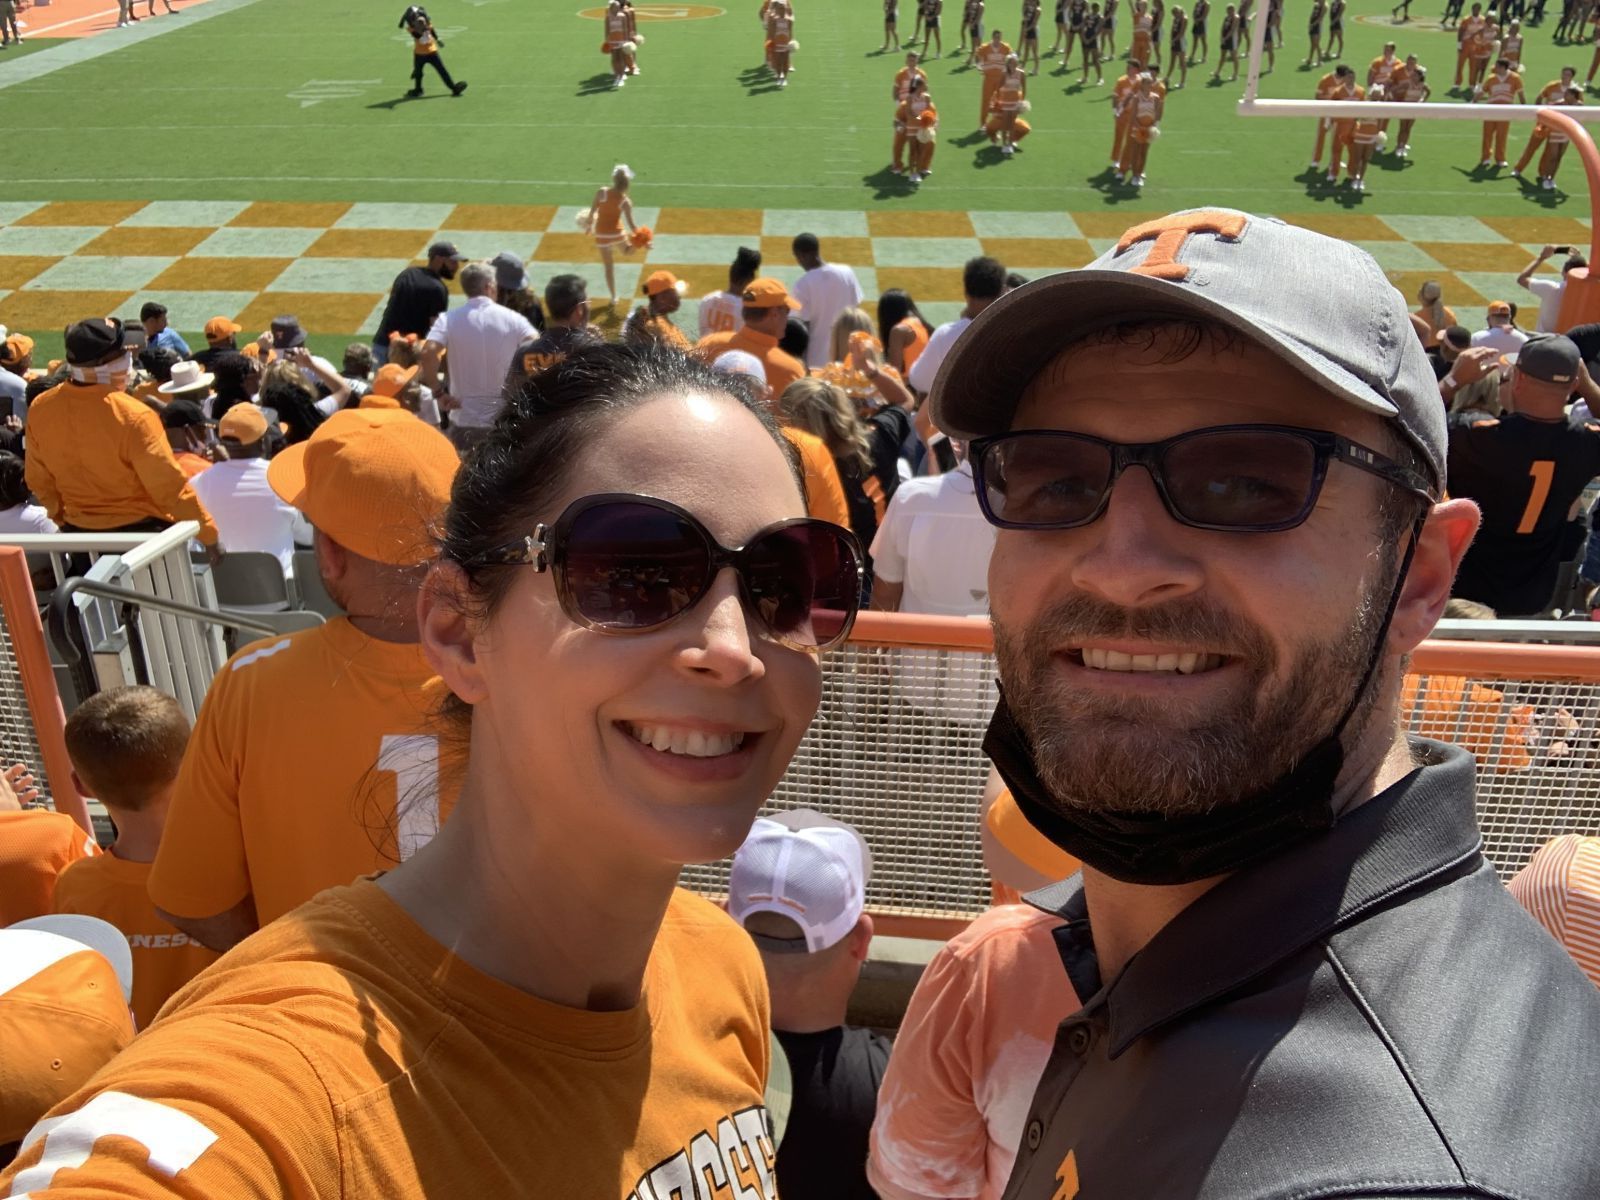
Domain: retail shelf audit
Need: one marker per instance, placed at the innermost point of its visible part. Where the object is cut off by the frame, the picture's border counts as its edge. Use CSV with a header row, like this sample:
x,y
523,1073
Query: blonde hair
x,y
824,410
851,320
282,373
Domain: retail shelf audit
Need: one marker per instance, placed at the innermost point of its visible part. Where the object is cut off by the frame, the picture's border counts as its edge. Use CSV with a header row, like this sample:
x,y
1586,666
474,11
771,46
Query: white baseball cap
x,y
804,866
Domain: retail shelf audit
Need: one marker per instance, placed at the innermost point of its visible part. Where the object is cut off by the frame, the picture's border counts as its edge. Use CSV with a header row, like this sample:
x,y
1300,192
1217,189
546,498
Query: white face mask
x,y
116,372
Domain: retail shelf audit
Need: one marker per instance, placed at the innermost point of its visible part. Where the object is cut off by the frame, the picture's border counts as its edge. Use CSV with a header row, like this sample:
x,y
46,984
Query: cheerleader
x,y
620,41
1511,45
918,114
1145,128
1063,43
604,221
1319,13
1414,90
1178,49
1010,100
933,16
1555,145
1228,43
1108,30
780,40
1143,48
1365,138
891,26
1090,41
971,28
1202,42
1030,34
1335,31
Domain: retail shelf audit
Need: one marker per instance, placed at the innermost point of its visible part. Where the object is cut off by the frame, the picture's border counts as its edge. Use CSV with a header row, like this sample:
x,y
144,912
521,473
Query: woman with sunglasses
x,y
625,615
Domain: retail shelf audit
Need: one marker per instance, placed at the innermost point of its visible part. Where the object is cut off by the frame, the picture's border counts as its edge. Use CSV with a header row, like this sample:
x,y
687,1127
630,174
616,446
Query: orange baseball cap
x,y
374,480
220,327
767,293
1499,308
244,423
16,348
664,281
392,379
63,1011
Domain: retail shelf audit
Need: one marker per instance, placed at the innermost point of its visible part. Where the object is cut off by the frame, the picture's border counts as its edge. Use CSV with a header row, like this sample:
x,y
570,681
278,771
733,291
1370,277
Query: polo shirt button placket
x,y
1079,1039
1035,1133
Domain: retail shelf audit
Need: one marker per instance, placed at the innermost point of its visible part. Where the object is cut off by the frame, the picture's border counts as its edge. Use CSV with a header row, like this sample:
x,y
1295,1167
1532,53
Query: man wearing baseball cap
x,y
1300,975
652,320
767,305
798,887
313,759
98,459
250,516
16,358
1526,469
221,338
1500,330
416,298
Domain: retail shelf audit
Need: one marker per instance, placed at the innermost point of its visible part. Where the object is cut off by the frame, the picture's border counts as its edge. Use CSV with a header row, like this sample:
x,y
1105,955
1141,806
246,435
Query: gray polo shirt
x,y
1369,1014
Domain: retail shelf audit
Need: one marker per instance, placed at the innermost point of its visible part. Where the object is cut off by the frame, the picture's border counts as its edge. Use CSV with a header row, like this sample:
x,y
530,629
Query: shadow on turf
x,y
757,81
596,84
1115,192
886,185
409,99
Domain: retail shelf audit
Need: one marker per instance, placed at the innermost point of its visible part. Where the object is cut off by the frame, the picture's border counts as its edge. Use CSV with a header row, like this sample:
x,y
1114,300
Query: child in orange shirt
x,y
126,746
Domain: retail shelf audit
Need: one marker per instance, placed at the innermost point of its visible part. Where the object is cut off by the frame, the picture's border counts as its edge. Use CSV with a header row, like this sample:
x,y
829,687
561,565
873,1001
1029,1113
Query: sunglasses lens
x,y
804,583
634,566
1046,480
1245,479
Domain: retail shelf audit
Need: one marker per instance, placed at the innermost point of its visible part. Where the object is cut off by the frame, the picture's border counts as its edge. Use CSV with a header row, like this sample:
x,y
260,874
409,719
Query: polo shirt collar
x,y
1422,831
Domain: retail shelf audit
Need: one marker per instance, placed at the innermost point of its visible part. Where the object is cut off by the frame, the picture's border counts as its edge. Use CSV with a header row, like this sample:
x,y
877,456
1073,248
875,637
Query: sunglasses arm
x,y
530,551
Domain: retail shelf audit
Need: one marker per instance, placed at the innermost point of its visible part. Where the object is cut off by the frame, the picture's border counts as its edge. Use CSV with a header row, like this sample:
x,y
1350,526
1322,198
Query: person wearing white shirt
x,y
824,291
983,281
18,513
722,312
482,338
1500,334
249,514
1550,291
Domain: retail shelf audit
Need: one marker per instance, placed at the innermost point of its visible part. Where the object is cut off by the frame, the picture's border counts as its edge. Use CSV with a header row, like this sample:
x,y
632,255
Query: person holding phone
x,y
1550,291
626,616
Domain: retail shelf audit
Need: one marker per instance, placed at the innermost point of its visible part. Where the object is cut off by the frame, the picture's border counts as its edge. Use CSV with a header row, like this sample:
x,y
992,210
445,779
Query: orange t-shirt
x,y
782,368
117,891
992,61
36,845
1013,830
953,1106
301,754
345,1053
1471,719
824,490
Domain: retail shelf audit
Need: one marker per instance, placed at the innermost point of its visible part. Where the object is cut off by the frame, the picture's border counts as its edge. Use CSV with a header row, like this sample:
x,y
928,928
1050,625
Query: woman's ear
x,y
447,631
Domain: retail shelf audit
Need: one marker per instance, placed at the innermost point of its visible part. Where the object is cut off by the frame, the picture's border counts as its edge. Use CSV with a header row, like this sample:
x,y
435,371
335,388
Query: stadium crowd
x,y
404,896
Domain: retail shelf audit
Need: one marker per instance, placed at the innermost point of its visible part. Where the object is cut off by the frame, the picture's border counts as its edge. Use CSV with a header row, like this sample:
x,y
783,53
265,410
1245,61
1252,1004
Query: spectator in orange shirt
x,y
903,330
36,845
767,305
126,747
652,321
189,434
97,458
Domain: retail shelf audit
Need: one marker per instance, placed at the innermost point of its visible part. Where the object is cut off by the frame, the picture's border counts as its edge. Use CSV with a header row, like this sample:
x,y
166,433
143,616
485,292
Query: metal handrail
x,y
60,606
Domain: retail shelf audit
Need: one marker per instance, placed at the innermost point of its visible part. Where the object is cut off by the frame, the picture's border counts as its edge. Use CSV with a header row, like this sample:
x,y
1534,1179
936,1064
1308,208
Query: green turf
x,y
29,46
241,106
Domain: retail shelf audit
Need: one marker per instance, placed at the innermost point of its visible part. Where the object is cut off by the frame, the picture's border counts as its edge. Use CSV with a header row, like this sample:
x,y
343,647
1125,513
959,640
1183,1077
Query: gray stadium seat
x,y
308,581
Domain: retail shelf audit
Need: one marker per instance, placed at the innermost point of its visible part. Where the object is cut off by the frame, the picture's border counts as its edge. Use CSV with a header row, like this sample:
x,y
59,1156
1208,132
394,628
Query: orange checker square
x,y
17,269
54,311
1352,227
507,218
1110,224
368,243
1543,231
153,242
219,274
1056,253
1456,292
1477,256
919,224
83,212
720,222
319,312
849,251
926,284
280,214
573,247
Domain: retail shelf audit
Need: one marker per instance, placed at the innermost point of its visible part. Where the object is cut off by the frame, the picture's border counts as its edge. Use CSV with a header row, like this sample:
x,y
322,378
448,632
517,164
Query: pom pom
x,y
639,38
791,47
628,47
605,47
1154,132
585,218
927,117
641,238
1025,107
1383,140
926,136
861,339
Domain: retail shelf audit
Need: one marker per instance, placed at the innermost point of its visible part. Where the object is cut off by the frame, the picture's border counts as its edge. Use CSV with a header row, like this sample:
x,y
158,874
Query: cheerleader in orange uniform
x,y
1555,145
1142,50
919,115
604,220
1147,106
621,41
1365,139
1006,127
780,40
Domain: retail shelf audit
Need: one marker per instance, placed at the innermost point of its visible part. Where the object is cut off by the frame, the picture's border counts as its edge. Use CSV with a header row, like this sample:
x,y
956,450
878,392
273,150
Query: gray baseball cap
x,y
1320,304
1553,358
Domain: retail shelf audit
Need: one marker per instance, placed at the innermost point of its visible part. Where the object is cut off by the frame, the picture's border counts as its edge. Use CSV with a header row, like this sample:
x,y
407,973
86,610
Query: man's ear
x,y
861,938
332,558
1444,539
447,634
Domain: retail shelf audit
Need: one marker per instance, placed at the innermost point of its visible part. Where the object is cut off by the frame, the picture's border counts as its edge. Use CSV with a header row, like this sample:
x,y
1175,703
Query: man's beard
x,y
1131,755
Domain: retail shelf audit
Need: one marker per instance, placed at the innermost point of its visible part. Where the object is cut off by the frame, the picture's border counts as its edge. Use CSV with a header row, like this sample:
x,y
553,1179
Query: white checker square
x,y
395,216
93,273
786,222
244,242
46,239
339,275
186,214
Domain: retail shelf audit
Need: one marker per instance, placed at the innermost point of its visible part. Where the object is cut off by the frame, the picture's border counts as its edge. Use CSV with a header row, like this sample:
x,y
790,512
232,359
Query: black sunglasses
x,y
630,564
1236,478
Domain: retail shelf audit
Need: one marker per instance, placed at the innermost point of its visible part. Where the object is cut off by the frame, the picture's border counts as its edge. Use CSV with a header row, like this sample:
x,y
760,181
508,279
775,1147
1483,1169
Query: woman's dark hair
x,y
231,369
159,361
895,306
13,487
507,485
796,338
284,388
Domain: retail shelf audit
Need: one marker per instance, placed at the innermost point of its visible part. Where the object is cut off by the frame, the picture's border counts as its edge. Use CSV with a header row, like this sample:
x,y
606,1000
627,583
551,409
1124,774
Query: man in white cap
x,y
1284,923
798,887
250,516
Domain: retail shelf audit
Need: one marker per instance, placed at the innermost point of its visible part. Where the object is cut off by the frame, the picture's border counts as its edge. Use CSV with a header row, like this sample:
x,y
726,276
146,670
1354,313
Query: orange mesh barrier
x,y
896,750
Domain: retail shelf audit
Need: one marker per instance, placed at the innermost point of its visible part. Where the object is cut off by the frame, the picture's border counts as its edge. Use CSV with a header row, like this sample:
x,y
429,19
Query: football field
x,y
250,157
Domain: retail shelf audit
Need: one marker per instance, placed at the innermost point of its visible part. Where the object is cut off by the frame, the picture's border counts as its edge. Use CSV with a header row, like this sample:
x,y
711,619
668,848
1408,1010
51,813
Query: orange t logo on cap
x,y
1171,233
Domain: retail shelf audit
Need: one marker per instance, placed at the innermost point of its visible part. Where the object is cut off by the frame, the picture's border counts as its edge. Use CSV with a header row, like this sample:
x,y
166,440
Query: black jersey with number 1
x,y
1525,475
